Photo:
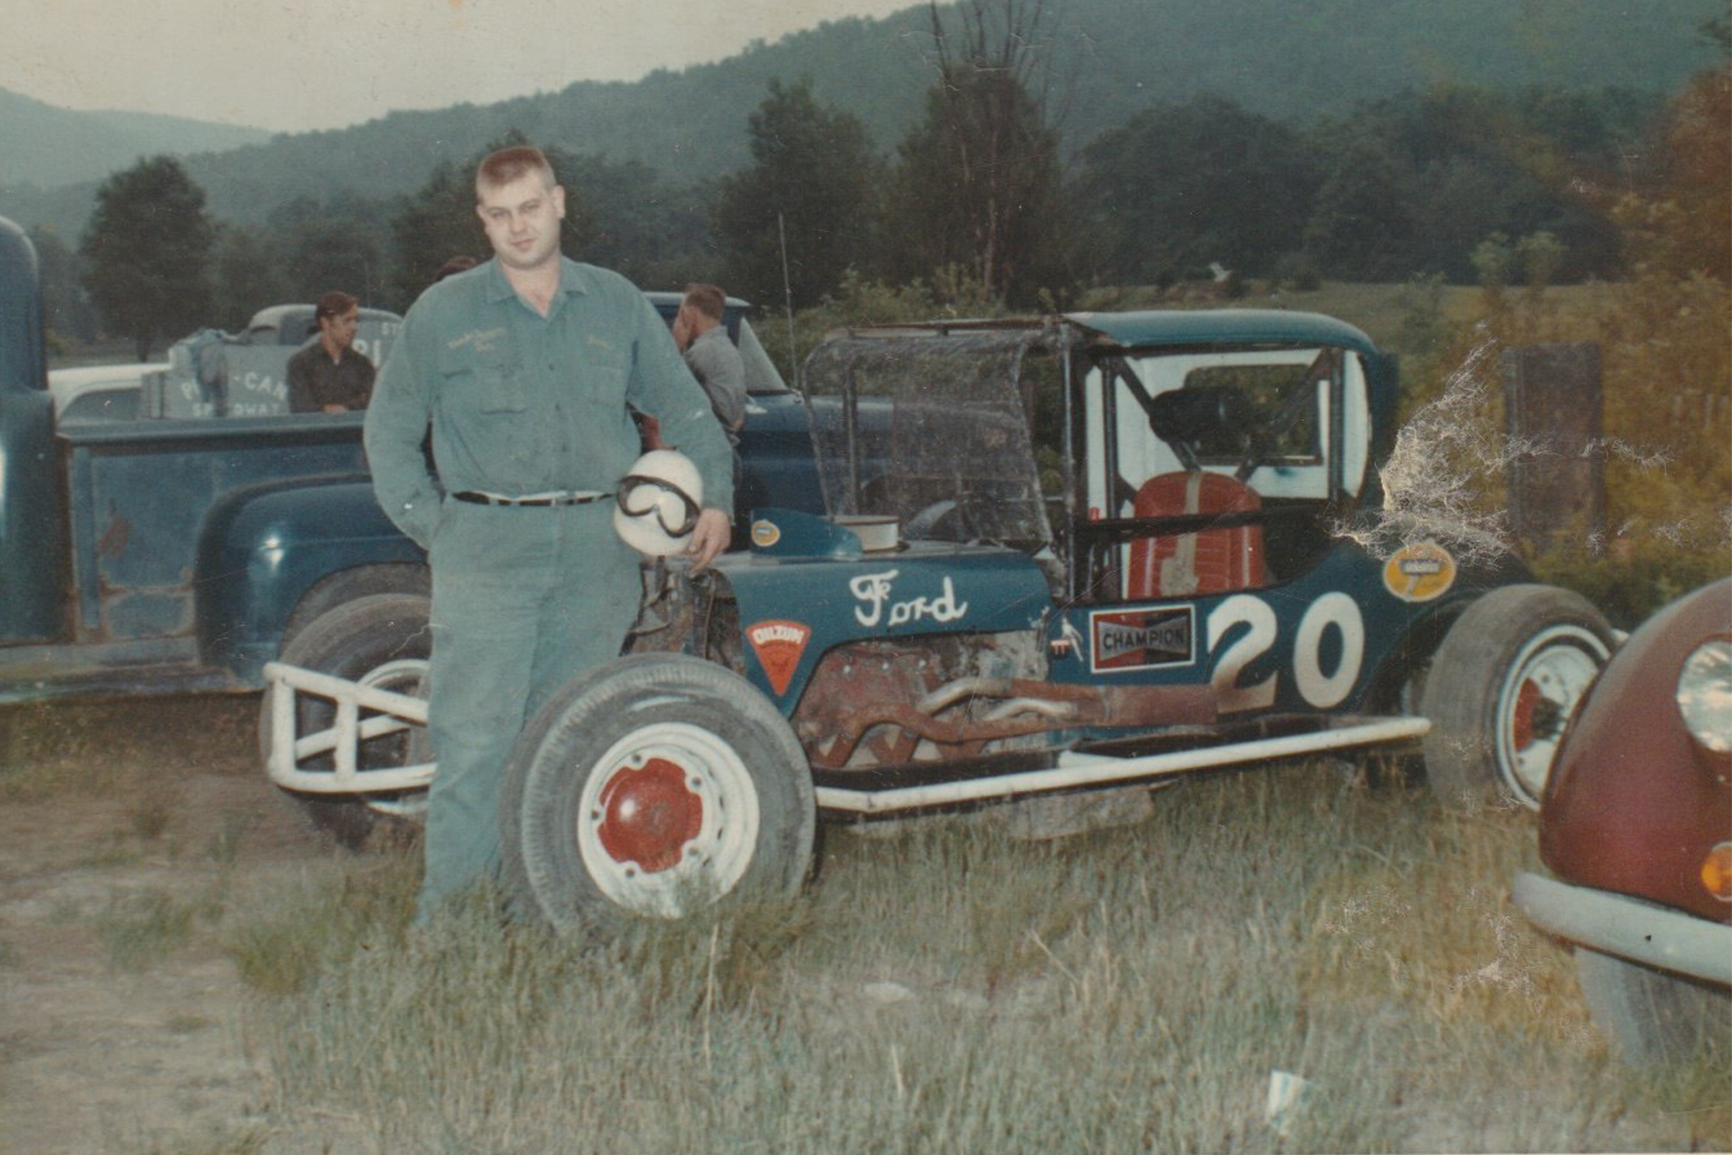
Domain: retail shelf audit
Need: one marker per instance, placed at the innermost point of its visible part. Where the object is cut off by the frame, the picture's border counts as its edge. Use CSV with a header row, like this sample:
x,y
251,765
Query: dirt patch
x,y
121,1021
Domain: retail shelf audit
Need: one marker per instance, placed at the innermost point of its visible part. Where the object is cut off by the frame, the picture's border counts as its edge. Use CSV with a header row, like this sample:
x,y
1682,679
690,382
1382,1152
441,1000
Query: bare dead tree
x,y
993,85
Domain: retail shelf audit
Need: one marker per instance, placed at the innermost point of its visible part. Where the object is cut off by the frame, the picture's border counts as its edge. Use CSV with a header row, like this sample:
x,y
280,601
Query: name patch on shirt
x,y
481,339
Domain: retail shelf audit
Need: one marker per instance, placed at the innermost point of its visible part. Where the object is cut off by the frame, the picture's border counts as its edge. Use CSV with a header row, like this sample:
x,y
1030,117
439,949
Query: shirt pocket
x,y
598,364
486,383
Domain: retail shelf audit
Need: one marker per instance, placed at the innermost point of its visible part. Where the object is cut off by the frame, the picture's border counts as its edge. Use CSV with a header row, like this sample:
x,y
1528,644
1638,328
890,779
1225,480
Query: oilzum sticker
x,y
1420,572
779,645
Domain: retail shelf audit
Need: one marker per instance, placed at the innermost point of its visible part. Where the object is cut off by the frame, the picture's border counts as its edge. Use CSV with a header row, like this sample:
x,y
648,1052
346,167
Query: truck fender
x,y
263,550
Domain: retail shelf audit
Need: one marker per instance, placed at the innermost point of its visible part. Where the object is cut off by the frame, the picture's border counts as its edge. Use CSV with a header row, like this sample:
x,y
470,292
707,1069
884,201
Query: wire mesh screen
x,y
930,430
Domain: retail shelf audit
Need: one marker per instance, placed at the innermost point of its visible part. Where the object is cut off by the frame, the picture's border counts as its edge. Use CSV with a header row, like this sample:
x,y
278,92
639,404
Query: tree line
x,y
977,197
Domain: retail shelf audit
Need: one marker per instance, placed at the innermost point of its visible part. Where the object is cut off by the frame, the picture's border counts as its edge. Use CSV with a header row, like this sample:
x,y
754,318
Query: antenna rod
x,y
788,300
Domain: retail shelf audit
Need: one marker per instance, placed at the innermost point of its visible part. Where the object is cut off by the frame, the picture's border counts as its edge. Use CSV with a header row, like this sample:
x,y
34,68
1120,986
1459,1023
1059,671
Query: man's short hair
x,y
508,164
461,263
707,299
335,303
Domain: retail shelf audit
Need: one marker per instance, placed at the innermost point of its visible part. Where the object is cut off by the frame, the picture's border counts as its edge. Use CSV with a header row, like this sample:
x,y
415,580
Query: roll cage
x,y
1119,446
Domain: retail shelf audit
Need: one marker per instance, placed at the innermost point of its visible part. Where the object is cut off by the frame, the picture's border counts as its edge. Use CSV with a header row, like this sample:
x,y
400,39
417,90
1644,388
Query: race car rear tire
x,y
1650,1016
1501,686
379,640
653,787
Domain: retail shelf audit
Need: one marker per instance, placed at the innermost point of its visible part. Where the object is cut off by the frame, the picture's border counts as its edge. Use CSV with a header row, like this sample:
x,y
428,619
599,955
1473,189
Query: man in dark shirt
x,y
328,376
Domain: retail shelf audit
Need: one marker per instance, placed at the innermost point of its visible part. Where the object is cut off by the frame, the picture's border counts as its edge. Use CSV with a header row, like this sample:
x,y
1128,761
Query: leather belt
x,y
544,499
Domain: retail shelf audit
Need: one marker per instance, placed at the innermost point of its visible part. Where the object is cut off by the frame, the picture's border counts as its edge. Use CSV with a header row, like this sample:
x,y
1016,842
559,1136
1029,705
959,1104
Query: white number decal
x,y
1319,689
1254,612
1342,612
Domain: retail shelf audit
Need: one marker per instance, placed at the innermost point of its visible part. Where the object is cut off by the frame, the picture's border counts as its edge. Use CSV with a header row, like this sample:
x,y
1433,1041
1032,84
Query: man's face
x,y
690,324
522,220
340,331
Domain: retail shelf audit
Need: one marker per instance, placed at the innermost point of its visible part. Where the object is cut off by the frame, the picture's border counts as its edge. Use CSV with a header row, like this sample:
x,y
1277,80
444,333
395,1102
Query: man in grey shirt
x,y
711,357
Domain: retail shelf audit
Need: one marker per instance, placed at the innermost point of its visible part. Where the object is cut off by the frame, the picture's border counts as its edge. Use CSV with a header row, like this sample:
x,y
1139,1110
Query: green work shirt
x,y
523,404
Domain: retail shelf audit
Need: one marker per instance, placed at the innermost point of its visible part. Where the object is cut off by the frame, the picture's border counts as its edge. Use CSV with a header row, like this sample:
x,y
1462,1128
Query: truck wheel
x,y
652,787
1502,684
1650,1016
350,585
380,640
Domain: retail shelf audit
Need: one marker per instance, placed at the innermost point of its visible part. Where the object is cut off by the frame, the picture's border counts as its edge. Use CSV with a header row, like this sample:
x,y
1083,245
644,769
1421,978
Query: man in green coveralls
x,y
524,366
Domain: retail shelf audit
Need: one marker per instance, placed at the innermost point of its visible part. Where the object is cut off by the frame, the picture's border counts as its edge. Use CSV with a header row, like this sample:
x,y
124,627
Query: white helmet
x,y
658,502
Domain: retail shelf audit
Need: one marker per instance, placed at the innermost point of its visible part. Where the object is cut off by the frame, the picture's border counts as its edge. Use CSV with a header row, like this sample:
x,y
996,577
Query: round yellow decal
x,y
765,534
1420,572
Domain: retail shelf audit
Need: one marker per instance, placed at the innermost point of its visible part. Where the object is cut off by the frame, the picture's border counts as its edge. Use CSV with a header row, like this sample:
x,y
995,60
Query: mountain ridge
x,y
1109,59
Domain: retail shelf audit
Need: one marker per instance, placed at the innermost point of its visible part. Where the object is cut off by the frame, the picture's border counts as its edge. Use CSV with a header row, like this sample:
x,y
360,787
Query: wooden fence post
x,y
1552,416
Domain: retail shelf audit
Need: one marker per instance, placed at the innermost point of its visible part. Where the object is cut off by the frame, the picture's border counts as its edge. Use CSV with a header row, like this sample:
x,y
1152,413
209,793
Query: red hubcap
x,y
649,814
1527,700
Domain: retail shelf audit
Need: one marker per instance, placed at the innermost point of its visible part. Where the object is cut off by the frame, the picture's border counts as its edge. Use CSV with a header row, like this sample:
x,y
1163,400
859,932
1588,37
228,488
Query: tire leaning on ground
x,y
1501,687
379,640
1650,1016
650,788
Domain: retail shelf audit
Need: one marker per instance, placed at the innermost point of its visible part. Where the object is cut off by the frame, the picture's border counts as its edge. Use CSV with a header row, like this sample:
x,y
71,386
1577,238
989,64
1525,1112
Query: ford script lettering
x,y
873,591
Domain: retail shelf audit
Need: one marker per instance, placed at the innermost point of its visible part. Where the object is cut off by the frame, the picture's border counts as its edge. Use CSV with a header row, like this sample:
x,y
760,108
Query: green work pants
x,y
523,599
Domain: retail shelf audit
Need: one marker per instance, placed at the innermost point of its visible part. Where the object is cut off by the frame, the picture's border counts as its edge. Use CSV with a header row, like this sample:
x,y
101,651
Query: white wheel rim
x,y
405,675
1537,697
711,861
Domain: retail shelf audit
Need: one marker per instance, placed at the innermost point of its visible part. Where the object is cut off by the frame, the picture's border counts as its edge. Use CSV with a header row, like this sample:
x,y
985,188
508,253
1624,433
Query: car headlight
x,y
1705,694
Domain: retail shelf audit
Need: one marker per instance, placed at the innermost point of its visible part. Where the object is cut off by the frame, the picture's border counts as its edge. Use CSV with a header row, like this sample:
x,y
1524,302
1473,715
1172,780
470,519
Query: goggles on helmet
x,y
674,509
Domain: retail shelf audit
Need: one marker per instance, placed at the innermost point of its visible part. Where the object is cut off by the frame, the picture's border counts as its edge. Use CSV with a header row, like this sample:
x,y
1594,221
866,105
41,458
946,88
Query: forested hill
x,y
1108,60
50,146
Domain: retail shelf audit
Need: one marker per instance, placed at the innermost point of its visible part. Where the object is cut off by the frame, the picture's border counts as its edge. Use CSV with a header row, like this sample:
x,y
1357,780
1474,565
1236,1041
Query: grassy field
x,y
1381,310
950,990
947,989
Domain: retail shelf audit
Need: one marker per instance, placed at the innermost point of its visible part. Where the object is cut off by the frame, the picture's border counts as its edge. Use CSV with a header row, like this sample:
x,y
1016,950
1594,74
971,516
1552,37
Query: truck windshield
x,y
761,375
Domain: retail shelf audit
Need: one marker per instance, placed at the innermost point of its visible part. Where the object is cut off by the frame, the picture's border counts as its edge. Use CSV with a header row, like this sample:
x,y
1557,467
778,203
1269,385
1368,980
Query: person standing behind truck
x,y
524,366
329,376
711,357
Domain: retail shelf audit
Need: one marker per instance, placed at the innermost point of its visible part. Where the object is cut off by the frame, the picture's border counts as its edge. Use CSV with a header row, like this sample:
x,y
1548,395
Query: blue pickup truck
x,y
175,547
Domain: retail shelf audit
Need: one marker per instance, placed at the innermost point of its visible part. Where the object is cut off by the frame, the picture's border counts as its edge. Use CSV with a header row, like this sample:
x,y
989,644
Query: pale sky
x,y
294,65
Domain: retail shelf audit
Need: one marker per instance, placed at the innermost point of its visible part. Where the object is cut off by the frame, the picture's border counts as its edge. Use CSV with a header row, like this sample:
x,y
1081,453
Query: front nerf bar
x,y
289,750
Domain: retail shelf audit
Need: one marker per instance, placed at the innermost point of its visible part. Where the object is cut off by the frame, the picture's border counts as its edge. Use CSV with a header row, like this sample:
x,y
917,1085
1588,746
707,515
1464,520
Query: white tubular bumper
x,y
1076,769
288,749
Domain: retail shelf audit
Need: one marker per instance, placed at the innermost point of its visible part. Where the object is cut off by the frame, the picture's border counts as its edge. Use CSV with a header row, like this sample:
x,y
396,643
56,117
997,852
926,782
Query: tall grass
x,y
1129,990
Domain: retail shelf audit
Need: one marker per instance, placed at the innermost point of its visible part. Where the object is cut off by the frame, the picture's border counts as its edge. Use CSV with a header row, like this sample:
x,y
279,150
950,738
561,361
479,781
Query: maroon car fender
x,y
1634,802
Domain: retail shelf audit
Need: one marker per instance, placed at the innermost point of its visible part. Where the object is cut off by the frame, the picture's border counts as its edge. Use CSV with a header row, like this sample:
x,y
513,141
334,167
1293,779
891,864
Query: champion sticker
x,y
1142,639
765,534
1419,573
779,646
